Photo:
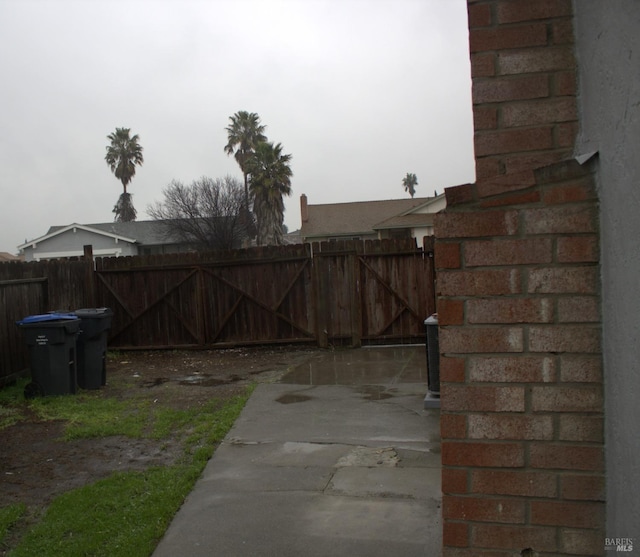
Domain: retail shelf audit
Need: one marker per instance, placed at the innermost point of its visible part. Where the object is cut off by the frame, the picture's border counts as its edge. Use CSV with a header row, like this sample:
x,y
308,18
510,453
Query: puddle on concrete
x,y
204,380
157,381
374,392
362,366
290,398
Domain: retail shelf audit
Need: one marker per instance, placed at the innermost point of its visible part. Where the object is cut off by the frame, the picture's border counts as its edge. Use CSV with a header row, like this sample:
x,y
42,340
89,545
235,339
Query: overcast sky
x,y
358,92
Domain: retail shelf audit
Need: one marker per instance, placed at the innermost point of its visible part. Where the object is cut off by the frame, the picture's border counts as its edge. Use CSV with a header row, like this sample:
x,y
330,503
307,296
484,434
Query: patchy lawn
x,y
156,397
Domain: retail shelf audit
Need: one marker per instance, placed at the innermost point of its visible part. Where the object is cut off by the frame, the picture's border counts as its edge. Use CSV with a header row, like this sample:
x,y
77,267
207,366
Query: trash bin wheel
x,y
33,390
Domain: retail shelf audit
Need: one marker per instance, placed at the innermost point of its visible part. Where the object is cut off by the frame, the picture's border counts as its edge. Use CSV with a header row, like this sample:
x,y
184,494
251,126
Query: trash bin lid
x,y
431,320
46,317
89,313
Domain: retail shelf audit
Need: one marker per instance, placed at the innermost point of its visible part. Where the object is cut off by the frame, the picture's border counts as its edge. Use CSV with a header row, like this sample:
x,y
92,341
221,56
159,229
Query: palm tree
x,y
243,134
410,181
124,209
123,154
270,180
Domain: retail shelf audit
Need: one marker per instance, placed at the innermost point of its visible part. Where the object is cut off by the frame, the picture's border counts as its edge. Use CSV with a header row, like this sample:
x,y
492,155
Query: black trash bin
x,y
433,362
51,343
92,346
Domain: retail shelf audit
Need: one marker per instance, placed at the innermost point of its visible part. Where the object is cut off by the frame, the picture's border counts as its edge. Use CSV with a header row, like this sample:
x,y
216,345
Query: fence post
x,y
90,295
320,296
428,249
356,298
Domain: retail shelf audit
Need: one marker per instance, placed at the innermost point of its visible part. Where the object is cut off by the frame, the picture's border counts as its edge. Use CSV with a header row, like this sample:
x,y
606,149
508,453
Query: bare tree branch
x,y
208,213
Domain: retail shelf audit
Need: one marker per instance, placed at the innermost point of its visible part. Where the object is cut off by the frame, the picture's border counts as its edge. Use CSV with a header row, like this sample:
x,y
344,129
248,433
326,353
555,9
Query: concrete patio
x,y
339,458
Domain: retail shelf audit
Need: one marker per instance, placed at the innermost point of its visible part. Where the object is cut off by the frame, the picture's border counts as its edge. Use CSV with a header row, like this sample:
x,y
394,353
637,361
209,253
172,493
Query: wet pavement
x,y
339,457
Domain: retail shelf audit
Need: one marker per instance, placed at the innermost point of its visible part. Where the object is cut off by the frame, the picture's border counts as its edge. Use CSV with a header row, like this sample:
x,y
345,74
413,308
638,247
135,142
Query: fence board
x,y
387,300
32,288
332,293
18,298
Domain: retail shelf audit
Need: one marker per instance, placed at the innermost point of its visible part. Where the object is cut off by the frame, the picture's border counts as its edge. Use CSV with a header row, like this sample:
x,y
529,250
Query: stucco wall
x,y
434,207
608,51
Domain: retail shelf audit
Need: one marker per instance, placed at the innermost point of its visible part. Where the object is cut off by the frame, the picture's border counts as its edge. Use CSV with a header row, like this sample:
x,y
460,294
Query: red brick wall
x,y
523,72
517,256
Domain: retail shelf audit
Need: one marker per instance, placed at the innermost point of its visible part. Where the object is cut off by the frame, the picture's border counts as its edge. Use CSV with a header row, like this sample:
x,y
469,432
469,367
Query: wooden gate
x,y
191,300
373,292
334,293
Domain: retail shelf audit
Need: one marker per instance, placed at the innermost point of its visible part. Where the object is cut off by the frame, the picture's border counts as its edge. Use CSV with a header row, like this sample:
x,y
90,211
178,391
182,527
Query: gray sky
x,y
359,92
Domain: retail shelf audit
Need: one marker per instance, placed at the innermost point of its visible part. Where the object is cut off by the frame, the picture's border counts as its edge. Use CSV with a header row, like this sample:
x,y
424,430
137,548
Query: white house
x,y
111,239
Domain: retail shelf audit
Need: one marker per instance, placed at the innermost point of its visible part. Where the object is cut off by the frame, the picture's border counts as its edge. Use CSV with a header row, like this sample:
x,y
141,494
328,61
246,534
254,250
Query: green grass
x,y
11,401
11,394
87,415
8,517
123,515
8,416
127,513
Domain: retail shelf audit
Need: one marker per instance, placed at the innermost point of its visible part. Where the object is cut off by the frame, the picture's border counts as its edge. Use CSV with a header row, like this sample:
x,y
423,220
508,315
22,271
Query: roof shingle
x,y
356,218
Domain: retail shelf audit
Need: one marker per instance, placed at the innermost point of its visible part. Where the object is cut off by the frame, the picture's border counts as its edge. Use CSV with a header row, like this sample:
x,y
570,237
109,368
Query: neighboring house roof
x,y
145,232
5,256
363,217
135,232
292,237
405,221
414,217
57,230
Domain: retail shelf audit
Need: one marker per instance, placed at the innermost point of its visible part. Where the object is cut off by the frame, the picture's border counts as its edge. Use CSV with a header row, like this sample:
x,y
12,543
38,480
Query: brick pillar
x,y
517,258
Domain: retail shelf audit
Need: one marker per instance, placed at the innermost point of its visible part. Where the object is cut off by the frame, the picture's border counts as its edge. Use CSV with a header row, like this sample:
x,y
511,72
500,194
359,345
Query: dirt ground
x,y
36,464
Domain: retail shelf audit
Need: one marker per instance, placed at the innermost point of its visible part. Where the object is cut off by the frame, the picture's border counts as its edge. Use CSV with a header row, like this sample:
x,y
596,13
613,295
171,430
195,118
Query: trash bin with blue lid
x,y
92,346
51,344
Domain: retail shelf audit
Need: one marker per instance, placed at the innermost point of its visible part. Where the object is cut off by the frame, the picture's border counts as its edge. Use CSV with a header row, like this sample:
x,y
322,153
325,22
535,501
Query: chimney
x,y
304,211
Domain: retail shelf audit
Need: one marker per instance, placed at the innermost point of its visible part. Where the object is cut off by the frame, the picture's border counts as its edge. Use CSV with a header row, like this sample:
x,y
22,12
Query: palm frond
x,y
123,154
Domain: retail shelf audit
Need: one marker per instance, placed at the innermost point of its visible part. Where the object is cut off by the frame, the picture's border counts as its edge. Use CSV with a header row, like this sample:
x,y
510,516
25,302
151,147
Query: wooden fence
x,y
372,292
32,288
333,293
